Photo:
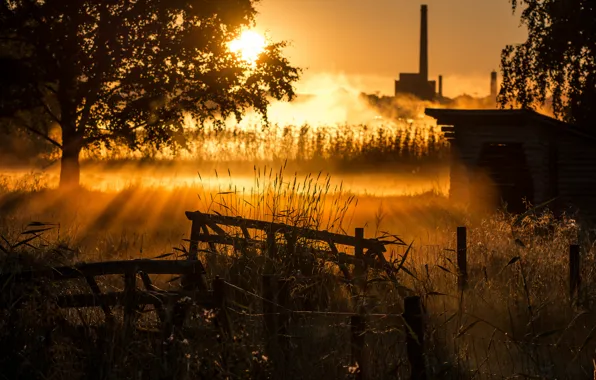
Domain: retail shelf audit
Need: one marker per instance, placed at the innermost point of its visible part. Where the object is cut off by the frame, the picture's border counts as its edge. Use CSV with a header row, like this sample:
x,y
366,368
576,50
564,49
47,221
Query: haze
x,y
370,42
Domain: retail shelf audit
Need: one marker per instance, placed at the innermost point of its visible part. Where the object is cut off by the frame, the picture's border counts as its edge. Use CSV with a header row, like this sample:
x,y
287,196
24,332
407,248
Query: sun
x,y
249,45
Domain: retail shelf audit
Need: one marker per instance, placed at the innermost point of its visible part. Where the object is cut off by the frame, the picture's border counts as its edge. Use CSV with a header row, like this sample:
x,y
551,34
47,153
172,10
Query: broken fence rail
x,y
131,296
212,221
84,270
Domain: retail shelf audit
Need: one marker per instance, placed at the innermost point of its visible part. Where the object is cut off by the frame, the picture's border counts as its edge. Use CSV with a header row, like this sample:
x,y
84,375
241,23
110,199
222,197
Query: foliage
x,y
131,71
557,60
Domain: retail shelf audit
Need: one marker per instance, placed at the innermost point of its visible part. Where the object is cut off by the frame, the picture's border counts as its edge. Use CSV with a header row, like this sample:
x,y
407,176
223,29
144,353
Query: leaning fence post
x,y
462,257
415,337
574,272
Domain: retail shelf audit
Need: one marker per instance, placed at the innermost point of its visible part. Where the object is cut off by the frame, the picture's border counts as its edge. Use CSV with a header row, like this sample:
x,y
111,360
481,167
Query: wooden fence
x,y
574,265
209,229
368,253
202,224
277,311
166,303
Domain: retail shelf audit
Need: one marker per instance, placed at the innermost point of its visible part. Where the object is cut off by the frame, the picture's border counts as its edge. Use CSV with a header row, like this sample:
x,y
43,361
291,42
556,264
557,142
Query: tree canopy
x,y
131,70
558,59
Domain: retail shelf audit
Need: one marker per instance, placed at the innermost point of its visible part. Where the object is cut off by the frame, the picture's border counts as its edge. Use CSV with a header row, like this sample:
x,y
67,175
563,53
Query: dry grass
x,y
514,320
337,144
345,147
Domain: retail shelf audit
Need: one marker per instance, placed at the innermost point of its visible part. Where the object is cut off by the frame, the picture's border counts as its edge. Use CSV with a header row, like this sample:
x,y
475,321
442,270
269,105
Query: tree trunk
x,y
70,170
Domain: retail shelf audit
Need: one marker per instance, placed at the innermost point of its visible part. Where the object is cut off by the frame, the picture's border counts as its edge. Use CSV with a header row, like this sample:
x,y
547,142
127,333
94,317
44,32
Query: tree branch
x,y
102,61
47,108
91,140
39,133
49,111
51,89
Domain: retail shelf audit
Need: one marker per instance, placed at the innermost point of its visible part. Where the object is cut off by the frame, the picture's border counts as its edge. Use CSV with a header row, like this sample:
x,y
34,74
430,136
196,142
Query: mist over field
x,y
329,127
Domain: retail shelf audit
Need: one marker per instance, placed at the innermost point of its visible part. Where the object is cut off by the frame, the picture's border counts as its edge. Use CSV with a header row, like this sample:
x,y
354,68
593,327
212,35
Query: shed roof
x,y
495,117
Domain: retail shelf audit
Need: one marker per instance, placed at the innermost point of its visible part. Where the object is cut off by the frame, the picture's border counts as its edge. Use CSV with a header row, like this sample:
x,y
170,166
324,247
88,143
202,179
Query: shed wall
x,y
468,144
576,160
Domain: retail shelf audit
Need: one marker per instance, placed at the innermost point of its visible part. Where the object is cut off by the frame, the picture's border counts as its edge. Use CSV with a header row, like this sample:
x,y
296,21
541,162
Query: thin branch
x,y
51,89
47,108
39,133
102,61
48,138
49,111
91,140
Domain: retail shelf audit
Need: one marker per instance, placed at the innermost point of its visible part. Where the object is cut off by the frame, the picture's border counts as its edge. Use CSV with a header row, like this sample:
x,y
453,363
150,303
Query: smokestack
x,y
424,42
493,85
440,86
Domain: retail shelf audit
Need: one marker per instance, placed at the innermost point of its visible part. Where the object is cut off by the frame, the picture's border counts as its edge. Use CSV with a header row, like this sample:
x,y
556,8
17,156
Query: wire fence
x,y
453,349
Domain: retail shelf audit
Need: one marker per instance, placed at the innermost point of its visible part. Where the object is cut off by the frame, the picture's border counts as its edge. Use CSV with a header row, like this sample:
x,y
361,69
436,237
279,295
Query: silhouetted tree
x,y
130,70
557,60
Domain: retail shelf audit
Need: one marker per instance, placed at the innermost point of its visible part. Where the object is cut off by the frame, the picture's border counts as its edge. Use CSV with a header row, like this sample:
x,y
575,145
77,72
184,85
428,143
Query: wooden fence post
x,y
359,266
415,337
269,313
462,258
223,319
358,328
130,284
358,322
284,319
284,300
271,245
574,272
195,233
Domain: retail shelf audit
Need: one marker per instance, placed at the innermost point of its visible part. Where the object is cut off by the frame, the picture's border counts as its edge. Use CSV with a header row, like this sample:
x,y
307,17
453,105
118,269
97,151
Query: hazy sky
x,y
371,41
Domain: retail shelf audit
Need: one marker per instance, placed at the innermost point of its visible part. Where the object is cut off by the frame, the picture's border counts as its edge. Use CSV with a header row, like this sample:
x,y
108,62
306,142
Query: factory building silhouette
x,y
418,84
493,86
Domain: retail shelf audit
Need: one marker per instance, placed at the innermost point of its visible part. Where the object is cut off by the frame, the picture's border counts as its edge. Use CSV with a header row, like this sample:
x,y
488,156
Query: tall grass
x,y
514,320
343,144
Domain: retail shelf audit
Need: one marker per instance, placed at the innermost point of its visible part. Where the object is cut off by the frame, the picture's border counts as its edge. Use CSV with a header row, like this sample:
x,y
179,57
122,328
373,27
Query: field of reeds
x,y
343,144
515,319
332,146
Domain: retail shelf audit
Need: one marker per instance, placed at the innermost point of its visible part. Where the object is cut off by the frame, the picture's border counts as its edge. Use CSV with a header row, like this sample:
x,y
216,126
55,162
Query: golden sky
x,y
370,42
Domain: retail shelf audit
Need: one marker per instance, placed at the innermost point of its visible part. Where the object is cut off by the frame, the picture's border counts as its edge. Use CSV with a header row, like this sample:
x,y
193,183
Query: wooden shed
x,y
512,155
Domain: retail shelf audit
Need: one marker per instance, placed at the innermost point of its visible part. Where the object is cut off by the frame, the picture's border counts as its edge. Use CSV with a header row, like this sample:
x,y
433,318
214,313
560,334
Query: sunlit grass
x,y
508,321
342,144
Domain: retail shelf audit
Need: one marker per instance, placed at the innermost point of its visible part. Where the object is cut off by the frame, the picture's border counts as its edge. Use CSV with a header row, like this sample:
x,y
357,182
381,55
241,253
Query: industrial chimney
x,y
440,86
424,42
493,85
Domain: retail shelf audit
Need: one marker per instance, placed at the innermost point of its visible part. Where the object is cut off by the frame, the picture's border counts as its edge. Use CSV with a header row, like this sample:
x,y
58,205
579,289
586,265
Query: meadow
x,y
515,319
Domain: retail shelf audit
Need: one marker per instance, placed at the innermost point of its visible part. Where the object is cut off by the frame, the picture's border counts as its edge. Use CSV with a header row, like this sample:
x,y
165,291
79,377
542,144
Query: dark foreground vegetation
x,y
516,317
